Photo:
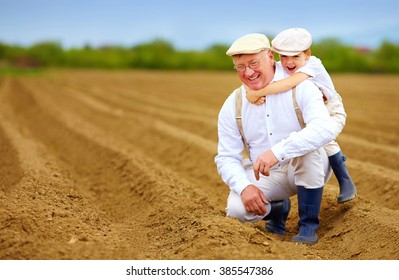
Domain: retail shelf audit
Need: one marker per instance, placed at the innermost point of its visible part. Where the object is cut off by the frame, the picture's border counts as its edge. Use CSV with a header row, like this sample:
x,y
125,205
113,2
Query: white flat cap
x,y
249,44
292,41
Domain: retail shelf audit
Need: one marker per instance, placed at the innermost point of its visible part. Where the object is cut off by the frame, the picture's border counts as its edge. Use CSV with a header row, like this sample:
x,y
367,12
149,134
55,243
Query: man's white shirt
x,y
273,125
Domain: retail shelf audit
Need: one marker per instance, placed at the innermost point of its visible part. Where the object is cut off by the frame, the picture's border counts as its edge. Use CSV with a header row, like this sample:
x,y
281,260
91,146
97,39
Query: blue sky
x,y
193,24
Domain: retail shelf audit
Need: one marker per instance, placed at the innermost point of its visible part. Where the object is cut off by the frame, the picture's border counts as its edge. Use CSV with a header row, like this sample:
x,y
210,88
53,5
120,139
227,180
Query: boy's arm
x,y
257,96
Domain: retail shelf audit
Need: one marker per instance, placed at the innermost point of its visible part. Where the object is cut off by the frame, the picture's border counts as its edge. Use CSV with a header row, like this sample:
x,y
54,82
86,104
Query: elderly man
x,y
284,158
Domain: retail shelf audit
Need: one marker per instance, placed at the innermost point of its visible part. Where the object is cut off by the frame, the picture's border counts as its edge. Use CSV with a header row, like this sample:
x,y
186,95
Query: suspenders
x,y
239,116
239,121
297,109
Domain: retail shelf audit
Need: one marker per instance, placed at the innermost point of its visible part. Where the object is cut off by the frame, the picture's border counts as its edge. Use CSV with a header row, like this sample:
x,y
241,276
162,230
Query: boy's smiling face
x,y
293,63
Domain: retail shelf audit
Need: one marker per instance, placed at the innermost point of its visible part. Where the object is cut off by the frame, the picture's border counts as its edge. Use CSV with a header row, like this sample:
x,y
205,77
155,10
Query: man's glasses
x,y
253,65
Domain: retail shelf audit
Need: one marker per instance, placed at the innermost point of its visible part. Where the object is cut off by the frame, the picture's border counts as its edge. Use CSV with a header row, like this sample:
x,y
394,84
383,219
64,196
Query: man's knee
x,y
235,209
236,212
310,170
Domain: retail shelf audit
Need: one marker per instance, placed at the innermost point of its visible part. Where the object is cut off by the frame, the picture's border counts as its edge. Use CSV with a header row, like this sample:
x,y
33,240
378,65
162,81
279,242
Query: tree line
x,y
161,54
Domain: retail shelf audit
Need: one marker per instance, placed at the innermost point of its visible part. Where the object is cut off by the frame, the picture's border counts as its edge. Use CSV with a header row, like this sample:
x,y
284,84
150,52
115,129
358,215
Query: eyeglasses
x,y
252,65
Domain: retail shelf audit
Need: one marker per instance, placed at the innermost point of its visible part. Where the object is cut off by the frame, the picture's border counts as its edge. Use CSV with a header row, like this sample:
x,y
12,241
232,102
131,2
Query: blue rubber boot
x,y
347,190
278,216
309,201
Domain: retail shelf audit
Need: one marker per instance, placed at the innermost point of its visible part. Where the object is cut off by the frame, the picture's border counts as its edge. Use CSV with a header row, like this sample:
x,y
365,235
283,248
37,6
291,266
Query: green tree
x,y
386,58
160,54
46,53
154,55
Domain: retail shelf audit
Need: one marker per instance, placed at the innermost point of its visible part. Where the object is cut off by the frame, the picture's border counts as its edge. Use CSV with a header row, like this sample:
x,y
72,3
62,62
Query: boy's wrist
x,y
259,93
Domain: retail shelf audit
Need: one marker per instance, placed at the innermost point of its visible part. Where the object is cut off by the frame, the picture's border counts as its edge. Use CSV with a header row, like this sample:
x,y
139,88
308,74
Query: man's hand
x,y
263,163
254,200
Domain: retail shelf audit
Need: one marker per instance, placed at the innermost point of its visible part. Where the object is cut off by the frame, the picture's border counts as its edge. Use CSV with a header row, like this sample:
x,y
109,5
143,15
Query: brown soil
x,y
119,165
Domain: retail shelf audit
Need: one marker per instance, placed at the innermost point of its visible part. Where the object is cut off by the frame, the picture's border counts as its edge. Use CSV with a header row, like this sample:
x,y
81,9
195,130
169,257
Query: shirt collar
x,y
279,73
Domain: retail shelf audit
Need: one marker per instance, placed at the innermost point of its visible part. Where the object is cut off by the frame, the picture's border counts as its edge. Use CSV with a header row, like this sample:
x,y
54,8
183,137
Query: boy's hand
x,y
260,100
253,97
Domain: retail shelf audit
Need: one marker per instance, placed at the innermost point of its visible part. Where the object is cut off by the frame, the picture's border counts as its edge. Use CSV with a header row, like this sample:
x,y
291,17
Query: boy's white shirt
x,y
319,76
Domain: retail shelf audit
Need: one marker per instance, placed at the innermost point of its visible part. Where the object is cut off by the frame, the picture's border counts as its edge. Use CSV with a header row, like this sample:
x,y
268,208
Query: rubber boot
x,y
278,216
309,201
347,190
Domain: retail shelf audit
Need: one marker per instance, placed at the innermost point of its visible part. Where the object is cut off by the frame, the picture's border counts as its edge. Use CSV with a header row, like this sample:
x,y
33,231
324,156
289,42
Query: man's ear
x,y
271,54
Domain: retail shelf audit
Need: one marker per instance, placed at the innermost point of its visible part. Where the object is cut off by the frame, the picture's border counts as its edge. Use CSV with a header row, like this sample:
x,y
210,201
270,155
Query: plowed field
x,y
119,165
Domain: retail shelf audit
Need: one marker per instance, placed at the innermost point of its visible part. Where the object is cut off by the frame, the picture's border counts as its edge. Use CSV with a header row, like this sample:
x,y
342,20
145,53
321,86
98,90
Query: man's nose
x,y
248,71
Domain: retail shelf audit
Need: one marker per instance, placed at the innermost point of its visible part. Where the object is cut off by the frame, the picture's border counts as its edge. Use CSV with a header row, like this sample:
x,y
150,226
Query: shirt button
x,y
271,133
282,158
267,115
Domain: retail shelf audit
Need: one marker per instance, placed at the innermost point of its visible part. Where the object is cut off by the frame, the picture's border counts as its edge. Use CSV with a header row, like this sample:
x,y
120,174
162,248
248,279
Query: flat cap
x,y
249,44
292,41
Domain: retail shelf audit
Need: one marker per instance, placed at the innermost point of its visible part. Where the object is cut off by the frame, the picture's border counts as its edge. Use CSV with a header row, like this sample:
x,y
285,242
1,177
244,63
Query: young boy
x,y
293,46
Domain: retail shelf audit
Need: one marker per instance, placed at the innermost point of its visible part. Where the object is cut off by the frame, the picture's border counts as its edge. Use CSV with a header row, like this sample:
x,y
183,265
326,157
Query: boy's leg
x,y
347,189
337,159
337,112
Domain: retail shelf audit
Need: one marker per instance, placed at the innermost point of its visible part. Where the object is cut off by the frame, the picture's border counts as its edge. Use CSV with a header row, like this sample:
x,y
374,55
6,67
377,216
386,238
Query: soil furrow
x,y
119,165
133,188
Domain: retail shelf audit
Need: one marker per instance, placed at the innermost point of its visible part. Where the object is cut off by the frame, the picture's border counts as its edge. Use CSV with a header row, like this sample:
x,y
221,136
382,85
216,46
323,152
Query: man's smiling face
x,y
258,70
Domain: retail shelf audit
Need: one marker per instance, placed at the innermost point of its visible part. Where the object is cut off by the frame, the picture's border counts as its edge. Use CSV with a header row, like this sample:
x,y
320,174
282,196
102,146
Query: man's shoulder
x,y
231,99
236,91
307,87
233,92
